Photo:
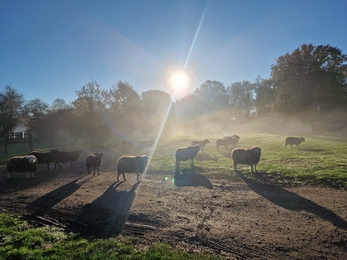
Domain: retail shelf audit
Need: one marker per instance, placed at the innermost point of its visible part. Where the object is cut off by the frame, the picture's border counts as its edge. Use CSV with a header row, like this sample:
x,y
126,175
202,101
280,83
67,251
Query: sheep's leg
x,y
235,166
48,166
118,176
251,168
98,170
124,176
9,175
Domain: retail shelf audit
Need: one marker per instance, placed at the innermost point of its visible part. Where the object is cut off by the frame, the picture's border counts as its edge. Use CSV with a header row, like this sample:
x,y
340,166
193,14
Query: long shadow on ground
x,y
189,179
292,201
107,215
49,200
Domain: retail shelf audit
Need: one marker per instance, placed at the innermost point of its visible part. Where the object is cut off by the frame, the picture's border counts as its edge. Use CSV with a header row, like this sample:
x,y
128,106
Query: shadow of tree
x,y
193,180
205,157
106,216
292,201
49,200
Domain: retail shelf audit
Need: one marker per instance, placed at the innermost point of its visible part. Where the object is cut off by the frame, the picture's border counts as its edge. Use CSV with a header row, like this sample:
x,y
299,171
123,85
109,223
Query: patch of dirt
x,y
231,215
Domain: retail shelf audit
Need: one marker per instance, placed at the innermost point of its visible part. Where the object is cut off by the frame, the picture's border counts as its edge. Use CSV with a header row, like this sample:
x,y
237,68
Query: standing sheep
x,y
186,153
95,161
227,140
63,157
45,157
250,156
22,164
201,143
132,164
294,140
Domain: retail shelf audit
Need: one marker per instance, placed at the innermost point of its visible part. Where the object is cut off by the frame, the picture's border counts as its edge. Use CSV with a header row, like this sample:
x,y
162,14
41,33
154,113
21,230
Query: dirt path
x,y
234,217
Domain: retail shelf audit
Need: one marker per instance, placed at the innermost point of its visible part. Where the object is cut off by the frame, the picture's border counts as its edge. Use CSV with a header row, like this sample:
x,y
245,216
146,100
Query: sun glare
x,y
179,81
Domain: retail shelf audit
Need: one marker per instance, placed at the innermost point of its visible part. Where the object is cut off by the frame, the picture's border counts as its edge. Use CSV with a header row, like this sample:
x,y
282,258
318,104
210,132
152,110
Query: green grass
x,y
20,241
320,160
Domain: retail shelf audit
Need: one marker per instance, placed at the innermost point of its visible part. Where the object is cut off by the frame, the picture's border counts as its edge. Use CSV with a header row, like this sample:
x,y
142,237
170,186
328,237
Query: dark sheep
x,y
45,157
186,153
95,161
22,164
63,157
226,141
250,156
145,144
201,143
294,140
132,164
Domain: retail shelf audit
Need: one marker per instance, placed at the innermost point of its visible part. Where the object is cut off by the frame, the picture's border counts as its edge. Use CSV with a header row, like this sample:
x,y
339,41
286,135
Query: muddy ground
x,y
229,215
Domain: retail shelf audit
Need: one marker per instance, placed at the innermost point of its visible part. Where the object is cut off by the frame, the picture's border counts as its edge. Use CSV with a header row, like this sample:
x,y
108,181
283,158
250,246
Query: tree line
x,y
308,84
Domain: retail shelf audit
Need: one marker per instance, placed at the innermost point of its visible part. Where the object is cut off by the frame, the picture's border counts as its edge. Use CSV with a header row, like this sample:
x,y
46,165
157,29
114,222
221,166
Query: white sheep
x,y
201,143
95,161
186,153
22,164
132,164
250,156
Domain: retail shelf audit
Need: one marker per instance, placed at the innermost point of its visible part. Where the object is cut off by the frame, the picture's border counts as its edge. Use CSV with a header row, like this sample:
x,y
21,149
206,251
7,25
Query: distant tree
x,y
264,96
91,98
59,104
310,82
241,98
212,96
33,113
11,102
124,100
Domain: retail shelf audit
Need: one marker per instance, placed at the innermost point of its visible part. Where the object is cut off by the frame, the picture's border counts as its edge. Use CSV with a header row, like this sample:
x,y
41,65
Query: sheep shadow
x,y
226,155
49,200
205,157
193,180
106,216
292,201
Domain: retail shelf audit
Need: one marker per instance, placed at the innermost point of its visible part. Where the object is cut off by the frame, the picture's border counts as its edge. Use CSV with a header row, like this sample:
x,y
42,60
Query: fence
x,y
17,138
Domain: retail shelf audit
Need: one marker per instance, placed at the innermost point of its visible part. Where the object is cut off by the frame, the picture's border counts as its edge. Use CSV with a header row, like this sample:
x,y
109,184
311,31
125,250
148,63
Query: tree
x,y
241,98
34,112
59,104
310,82
11,102
212,96
264,96
124,100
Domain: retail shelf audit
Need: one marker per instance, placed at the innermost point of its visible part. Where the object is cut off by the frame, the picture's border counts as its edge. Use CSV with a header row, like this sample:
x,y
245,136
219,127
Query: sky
x,y
51,48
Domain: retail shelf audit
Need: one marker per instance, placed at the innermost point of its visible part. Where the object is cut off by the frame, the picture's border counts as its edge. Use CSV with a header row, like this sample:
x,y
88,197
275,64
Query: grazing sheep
x,y
145,144
294,140
201,143
45,157
250,156
227,140
22,164
127,146
186,153
95,161
63,157
132,164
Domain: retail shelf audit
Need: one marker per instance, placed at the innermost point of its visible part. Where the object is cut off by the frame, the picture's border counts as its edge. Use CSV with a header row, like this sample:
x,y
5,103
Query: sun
x,y
179,81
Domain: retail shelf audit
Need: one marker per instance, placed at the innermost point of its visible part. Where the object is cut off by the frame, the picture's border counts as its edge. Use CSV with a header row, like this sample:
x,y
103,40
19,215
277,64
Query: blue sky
x,y
51,48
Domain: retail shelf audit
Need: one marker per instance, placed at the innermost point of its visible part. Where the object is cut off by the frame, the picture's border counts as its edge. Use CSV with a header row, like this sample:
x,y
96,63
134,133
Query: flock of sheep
x,y
138,164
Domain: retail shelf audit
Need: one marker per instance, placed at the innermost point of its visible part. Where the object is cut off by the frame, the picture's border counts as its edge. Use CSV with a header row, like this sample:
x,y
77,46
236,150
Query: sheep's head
x,y
302,139
206,141
256,150
32,159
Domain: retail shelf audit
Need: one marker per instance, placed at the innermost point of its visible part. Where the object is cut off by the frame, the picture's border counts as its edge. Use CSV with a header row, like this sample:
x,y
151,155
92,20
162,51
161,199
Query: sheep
x,y
63,157
145,144
186,153
132,164
250,156
22,164
294,140
45,157
127,146
227,140
95,161
201,143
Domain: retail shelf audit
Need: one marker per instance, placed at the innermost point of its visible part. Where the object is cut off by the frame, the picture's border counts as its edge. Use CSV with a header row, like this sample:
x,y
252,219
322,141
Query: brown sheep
x,y
95,161
45,157
294,140
201,143
227,140
250,156
63,157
